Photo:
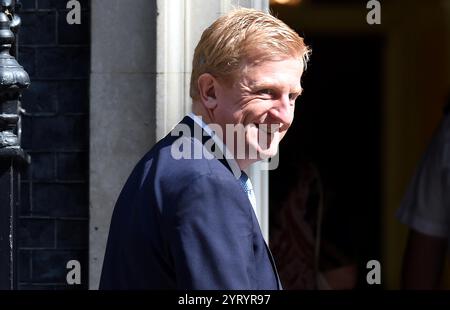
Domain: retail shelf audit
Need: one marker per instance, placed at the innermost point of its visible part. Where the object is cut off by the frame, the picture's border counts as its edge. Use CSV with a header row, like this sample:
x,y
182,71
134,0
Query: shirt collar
x,y
232,163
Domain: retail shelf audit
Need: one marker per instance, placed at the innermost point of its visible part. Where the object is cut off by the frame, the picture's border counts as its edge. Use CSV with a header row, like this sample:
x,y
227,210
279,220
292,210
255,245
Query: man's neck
x,y
199,110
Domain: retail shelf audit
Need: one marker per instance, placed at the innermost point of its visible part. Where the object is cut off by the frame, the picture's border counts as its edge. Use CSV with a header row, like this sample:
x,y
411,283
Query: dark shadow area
x,y
332,154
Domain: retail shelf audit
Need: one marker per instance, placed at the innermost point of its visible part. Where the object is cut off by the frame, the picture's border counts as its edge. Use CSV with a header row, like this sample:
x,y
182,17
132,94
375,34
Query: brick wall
x,y
53,222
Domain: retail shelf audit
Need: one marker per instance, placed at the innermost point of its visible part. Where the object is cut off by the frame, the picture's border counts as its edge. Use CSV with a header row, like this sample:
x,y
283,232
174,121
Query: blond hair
x,y
243,36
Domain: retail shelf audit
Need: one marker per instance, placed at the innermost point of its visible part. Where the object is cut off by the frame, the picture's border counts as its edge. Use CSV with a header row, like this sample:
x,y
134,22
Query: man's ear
x,y
206,88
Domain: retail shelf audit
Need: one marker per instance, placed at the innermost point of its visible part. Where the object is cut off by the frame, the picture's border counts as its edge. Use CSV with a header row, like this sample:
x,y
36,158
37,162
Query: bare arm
x,y
423,261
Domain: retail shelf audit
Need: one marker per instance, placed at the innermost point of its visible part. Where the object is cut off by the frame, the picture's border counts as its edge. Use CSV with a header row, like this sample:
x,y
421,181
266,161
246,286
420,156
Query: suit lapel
x,y
269,253
272,261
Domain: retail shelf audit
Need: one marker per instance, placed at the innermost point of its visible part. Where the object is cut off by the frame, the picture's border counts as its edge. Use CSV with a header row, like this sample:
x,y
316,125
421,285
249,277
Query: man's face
x,y
262,98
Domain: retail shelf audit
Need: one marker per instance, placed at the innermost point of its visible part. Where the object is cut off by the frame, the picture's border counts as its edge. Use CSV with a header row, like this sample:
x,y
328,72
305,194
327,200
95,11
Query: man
x,y
184,221
426,211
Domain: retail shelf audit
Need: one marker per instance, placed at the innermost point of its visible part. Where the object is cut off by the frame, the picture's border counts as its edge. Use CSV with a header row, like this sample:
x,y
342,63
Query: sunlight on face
x,y
263,99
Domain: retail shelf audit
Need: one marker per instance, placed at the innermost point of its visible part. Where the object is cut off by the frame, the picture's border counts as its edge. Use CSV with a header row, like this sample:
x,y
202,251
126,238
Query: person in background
x,y
425,209
306,258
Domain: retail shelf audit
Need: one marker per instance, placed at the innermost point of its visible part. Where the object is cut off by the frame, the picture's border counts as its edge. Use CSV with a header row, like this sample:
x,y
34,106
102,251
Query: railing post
x,y
13,80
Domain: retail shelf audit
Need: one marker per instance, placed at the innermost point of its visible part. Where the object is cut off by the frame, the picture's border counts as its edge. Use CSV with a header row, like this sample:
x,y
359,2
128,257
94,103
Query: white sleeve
x,y
426,205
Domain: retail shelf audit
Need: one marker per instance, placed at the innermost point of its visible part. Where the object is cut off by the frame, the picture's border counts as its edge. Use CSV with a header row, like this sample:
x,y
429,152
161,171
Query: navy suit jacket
x,y
185,224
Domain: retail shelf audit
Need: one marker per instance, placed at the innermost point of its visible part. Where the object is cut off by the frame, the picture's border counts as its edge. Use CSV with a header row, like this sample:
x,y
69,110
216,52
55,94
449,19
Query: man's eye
x,y
265,92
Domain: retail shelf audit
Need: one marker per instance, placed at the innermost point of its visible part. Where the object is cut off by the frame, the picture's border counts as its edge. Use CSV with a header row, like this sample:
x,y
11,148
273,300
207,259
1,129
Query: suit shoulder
x,y
185,169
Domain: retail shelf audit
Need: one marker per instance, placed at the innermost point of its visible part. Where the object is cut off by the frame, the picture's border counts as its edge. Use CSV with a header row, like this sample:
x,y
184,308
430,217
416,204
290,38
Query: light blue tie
x,y
248,188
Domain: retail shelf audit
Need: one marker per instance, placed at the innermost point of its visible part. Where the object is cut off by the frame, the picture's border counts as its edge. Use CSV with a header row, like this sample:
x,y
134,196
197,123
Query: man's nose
x,y
283,109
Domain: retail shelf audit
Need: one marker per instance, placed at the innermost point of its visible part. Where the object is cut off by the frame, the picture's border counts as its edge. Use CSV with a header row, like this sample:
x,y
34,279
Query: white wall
x,y
122,107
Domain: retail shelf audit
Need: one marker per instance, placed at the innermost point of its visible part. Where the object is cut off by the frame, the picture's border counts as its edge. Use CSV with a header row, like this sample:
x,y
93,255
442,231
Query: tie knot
x,y
244,177
246,185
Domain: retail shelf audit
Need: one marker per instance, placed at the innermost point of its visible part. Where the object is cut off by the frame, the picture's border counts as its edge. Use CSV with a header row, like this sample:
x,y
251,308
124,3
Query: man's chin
x,y
268,153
